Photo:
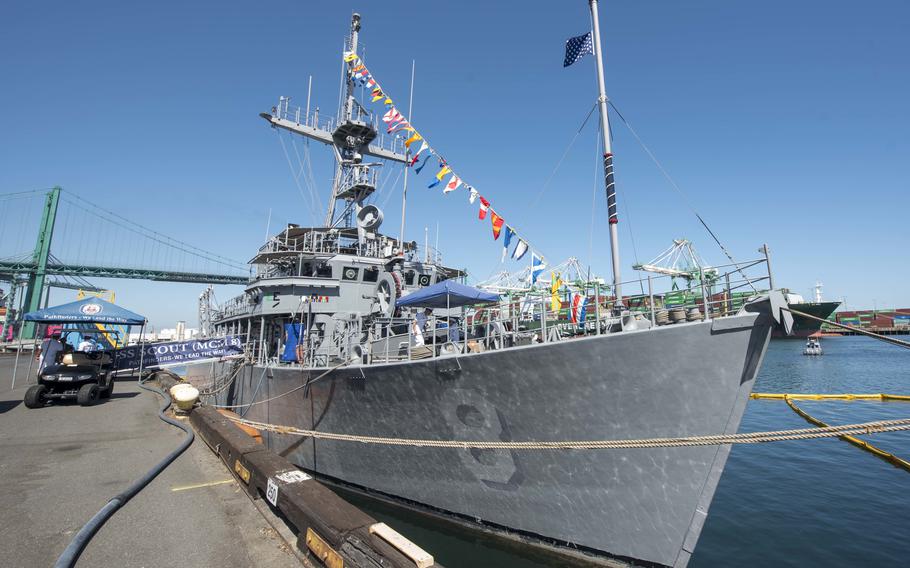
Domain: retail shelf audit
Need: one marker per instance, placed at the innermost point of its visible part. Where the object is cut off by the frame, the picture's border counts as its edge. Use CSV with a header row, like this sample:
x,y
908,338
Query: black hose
x,y
84,536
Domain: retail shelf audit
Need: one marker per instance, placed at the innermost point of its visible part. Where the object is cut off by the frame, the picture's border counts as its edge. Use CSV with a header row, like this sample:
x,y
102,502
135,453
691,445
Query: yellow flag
x,y
350,56
443,172
388,101
412,139
556,282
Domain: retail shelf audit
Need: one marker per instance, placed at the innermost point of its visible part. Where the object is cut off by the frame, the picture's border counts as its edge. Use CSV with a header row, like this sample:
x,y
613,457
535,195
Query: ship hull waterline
x,y
638,504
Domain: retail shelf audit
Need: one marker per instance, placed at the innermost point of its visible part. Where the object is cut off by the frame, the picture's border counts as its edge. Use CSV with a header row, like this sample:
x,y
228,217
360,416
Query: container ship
x,y
805,327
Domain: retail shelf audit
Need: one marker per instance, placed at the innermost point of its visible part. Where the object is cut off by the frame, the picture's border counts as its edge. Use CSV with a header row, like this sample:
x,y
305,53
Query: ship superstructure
x,y
332,281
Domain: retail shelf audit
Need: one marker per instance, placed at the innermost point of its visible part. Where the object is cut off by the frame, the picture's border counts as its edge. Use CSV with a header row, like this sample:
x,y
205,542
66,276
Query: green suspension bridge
x,y
76,240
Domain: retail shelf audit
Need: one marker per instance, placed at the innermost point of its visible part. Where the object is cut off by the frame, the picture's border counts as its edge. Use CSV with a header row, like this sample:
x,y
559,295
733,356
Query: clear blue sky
x,y
785,123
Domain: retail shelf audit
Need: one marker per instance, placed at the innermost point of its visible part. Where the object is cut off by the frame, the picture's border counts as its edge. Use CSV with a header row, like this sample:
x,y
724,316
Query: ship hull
x,y
805,327
637,504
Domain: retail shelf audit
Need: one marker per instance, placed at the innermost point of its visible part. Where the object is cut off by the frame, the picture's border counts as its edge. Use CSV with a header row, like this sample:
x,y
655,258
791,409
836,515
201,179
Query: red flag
x,y
484,205
497,224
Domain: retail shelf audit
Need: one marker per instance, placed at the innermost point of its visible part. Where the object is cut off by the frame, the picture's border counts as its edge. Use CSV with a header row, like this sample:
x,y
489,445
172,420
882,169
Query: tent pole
x,y
141,348
31,360
18,351
464,327
124,342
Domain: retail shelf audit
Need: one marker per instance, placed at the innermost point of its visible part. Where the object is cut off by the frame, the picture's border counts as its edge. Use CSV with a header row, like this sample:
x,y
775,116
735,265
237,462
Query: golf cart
x,y
85,376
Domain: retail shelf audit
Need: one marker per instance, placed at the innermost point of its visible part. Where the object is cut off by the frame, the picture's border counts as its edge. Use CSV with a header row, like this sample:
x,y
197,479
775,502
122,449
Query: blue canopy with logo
x,y
447,294
88,310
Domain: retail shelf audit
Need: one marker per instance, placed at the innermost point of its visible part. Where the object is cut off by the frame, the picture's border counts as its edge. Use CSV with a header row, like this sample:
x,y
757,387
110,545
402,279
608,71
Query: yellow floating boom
x,y
789,398
862,444
839,396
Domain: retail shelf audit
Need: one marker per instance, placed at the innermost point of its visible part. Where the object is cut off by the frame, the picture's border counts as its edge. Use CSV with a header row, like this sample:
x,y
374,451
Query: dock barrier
x,y
329,530
862,444
838,396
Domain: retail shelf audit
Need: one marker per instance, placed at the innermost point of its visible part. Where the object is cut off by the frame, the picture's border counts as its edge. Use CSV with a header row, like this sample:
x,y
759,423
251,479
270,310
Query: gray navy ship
x,y
329,348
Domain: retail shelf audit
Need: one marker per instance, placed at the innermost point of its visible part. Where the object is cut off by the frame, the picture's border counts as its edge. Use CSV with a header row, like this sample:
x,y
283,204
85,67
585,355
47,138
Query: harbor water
x,y
803,503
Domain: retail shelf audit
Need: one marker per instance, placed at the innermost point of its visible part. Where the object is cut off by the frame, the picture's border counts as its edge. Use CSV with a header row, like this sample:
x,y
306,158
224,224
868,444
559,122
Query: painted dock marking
x,y
201,485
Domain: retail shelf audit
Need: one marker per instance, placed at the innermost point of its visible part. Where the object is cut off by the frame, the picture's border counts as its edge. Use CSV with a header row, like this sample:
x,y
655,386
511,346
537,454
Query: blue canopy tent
x,y
447,294
89,310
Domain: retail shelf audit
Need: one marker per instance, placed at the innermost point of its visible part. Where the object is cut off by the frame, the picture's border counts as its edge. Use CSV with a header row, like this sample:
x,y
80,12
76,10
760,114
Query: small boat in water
x,y
813,347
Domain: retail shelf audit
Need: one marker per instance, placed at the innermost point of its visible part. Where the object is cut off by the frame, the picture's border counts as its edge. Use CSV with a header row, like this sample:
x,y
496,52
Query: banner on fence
x,y
179,352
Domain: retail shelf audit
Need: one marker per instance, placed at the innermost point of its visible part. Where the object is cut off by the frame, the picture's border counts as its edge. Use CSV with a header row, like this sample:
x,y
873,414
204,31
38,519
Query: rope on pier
x,y
746,438
862,444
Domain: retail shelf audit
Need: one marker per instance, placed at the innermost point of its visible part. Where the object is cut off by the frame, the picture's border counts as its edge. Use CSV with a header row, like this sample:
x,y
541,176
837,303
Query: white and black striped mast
x,y
608,159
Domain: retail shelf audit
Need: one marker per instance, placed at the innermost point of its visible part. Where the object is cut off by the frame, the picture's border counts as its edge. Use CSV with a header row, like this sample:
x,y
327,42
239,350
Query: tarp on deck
x,y
88,310
447,294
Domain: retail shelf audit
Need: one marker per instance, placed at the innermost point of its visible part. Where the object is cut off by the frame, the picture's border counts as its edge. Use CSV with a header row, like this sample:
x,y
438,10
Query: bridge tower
x,y
34,290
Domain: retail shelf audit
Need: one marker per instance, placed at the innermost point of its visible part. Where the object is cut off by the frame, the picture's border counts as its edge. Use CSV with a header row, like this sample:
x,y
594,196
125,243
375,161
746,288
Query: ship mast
x,y
345,155
608,160
352,136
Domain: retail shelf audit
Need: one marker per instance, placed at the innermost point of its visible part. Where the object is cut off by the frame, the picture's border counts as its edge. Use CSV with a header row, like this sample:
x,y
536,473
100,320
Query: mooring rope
x,y
859,330
295,389
675,442
228,381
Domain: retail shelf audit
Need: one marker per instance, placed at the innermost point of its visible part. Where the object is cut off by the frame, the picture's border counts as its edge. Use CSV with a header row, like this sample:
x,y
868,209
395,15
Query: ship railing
x,y
535,316
304,117
428,254
235,306
312,118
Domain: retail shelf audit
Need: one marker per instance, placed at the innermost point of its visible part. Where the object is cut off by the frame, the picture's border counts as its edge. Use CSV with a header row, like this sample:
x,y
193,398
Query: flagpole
x,y
608,160
404,191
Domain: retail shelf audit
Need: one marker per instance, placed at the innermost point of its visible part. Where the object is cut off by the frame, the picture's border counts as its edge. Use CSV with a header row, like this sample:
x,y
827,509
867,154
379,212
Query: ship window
x,y
324,271
409,278
425,280
306,269
350,273
370,274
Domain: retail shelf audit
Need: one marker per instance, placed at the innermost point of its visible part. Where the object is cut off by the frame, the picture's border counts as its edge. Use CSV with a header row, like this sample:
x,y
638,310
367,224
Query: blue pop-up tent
x,y
447,294
88,310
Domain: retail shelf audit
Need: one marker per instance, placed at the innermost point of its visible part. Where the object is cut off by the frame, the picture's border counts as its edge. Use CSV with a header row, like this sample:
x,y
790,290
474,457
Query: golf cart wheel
x,y
34,396
108,390
87,395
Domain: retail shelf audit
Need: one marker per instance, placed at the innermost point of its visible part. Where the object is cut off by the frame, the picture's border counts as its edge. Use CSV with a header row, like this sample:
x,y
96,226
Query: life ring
x,y
385,294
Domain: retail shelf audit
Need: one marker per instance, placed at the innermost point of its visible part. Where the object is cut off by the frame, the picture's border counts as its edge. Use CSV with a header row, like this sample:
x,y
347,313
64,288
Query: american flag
x,y
576,47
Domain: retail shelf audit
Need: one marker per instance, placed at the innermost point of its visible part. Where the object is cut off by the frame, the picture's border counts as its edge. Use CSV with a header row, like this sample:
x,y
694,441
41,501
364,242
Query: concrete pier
x,y
62,463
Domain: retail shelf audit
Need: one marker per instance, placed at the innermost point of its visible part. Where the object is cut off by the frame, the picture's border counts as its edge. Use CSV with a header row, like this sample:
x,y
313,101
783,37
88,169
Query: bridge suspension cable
x,y
121,221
